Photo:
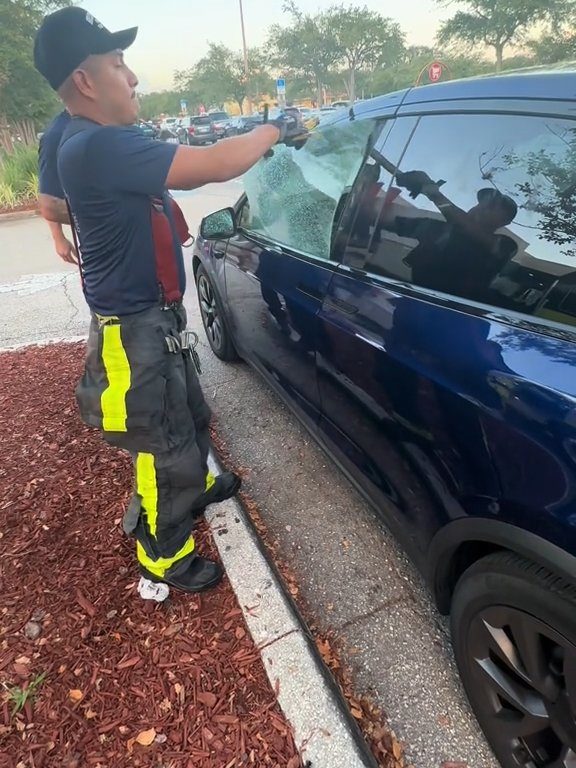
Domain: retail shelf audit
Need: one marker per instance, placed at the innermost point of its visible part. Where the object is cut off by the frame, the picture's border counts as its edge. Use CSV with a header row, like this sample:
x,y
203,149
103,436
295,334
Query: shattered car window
x,y
293,196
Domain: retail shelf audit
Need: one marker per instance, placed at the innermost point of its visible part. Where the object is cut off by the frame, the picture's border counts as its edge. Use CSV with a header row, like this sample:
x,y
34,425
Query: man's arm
x,y
458,217
54,209
418,182
194,166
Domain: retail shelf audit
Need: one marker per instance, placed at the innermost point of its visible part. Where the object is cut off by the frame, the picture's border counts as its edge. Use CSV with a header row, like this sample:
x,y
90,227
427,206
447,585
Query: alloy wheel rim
x,y
210,315
524,687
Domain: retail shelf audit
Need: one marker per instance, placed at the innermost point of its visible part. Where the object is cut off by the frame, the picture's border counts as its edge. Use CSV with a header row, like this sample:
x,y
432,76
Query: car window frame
x,y
522,108
264,242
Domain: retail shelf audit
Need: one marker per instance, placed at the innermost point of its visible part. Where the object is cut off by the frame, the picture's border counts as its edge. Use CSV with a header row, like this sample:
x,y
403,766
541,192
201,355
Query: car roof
x,y
558,84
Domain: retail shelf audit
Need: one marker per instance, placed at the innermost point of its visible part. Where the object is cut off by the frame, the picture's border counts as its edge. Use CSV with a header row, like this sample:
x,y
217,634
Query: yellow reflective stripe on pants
x,y
210,480
117,367
147,488
162,564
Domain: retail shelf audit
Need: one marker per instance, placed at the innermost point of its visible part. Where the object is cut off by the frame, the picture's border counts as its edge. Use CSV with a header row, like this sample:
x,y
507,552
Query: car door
x,y
434,389
279,266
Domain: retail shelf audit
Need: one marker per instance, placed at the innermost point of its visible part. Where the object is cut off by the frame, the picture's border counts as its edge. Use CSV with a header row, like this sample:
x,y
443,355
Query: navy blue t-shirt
x,y
47,156
109,175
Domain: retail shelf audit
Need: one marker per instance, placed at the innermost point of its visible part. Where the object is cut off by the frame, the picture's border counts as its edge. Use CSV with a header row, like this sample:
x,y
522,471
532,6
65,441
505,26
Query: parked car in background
x,y
239,125
305,111
426,336
197,130
169,123
221,122
148,129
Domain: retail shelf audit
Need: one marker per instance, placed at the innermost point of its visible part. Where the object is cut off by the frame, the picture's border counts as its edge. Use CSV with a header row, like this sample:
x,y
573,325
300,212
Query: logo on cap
x,y
91,20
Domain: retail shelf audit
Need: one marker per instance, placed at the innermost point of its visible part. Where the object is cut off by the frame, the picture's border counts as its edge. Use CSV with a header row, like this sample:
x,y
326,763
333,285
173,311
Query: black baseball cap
x,y
491,196
67,37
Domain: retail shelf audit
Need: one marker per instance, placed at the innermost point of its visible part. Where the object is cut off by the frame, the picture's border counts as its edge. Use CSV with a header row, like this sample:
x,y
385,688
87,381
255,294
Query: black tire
x,y
214,319
514,635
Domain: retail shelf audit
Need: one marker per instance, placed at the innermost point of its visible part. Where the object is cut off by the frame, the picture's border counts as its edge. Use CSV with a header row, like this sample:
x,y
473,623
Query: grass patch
x,y
19,696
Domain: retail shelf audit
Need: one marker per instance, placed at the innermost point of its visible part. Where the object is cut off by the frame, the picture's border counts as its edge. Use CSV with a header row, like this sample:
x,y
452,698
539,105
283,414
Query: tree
x,y
500,23
220,76
24,94
551,48
306,50
163,103
365,40
549,189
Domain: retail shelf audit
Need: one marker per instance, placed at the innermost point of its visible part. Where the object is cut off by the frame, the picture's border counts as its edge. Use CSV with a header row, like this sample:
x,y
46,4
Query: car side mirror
x,y
220,225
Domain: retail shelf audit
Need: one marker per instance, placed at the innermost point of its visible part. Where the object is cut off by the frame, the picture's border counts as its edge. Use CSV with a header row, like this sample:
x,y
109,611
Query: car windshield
x,y
219,116
202,120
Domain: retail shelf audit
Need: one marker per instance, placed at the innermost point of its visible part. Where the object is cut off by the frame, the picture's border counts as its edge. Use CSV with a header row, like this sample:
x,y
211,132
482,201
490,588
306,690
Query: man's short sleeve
x,y
49,181
124,159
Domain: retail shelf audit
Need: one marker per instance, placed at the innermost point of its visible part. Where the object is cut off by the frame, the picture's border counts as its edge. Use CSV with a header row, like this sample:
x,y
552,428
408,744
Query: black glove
x,y
416,181
291,134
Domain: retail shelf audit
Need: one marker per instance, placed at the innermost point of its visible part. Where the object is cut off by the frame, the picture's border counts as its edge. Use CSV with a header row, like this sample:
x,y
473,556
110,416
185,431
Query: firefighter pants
x,y
146,399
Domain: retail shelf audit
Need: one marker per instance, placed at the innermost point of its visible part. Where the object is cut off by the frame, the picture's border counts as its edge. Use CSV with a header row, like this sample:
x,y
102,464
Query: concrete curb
x,y
324,730
43,343
18,215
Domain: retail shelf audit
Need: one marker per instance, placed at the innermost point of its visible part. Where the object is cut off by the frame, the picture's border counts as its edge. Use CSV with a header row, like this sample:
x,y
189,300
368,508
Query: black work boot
x,y
225,487
201,574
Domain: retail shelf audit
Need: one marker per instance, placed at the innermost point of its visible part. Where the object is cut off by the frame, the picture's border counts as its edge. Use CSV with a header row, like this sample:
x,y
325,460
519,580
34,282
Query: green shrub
x,y
18,176
8,197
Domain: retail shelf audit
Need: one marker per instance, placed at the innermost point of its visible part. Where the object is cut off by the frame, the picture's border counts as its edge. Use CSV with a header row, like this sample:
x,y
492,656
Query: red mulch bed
x,y
127,683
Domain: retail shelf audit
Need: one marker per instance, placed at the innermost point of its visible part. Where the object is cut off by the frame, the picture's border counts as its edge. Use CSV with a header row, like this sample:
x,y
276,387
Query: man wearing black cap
x,y
139,386
463,254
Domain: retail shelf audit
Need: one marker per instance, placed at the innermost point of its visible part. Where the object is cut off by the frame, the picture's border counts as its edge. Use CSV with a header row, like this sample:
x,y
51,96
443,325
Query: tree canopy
x,y
220,76
24,94
500,23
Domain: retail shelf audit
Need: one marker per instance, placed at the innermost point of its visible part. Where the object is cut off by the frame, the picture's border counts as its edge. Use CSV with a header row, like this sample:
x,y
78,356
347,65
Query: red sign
x,y
435,71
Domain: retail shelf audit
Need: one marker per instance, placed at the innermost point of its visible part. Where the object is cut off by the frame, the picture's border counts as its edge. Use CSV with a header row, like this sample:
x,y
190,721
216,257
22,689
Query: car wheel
x,y
514,634
213,318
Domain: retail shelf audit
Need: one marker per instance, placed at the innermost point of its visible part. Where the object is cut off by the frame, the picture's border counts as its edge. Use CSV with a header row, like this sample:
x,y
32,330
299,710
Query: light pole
x,y
245,51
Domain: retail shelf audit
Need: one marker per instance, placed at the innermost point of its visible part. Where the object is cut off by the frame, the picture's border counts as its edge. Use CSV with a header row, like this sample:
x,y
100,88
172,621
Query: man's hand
x,y
66,251
417,183
291,134
62,245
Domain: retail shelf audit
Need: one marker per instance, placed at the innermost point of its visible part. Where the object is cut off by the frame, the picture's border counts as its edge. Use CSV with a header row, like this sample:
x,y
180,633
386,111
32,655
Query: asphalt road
x,y
352,574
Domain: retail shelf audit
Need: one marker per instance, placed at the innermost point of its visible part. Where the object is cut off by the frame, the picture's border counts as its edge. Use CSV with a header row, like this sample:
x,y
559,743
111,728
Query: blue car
x,y
407,282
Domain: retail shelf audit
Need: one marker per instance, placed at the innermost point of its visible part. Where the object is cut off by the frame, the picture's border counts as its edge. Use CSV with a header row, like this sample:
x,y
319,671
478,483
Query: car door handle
x,y
310,291
342,306
218,253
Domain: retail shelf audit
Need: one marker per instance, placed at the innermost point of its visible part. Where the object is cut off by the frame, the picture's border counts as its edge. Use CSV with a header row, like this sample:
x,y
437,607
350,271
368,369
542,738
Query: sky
x,y
174,34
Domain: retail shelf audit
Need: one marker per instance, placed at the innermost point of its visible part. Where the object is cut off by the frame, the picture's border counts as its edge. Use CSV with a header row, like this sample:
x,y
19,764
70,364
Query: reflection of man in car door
x,y
461,254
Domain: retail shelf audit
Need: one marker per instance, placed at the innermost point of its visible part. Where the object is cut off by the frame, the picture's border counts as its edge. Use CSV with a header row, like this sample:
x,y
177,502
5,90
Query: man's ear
x,y
84,83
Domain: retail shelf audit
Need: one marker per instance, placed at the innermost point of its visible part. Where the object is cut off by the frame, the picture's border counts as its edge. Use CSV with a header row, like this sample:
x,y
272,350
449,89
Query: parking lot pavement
x,y
352,574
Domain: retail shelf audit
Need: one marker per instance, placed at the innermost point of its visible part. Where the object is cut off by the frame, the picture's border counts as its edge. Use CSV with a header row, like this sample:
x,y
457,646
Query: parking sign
x,y
435,71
